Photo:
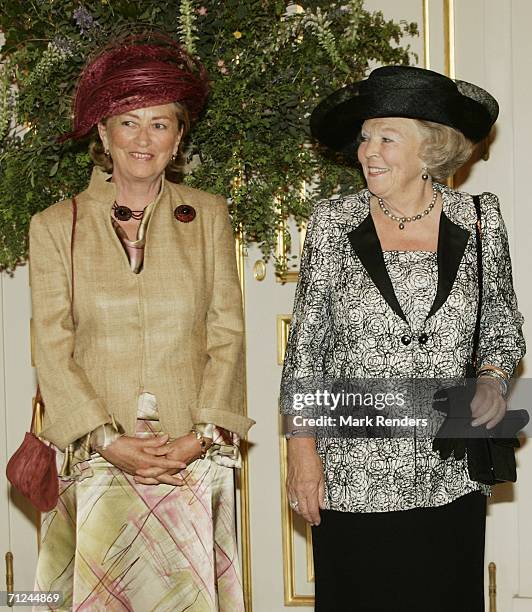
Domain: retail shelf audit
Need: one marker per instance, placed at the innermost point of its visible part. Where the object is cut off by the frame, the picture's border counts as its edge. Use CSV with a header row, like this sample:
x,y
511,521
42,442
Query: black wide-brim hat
x,y
403,91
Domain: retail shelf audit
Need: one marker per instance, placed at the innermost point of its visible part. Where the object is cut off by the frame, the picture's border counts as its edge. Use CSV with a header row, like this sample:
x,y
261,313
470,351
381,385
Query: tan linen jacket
x,y
175,329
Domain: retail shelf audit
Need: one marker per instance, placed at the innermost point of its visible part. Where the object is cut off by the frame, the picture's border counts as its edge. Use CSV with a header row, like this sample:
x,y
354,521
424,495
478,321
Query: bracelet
x,y
297,433
493,374
491,368
202,441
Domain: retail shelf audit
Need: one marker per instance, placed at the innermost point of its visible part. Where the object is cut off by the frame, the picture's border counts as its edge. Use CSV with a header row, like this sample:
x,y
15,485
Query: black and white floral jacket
x,y
348,324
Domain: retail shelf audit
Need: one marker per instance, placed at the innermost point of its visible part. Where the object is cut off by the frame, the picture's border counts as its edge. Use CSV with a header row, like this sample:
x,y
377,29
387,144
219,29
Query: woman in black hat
x,y
388,289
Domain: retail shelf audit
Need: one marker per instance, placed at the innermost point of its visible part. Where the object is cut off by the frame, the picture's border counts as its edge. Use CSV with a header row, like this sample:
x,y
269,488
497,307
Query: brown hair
x,y
175,166
443,149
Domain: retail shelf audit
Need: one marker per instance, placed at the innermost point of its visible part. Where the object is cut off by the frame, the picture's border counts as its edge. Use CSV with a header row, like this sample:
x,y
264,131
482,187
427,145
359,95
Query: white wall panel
x,y
19,387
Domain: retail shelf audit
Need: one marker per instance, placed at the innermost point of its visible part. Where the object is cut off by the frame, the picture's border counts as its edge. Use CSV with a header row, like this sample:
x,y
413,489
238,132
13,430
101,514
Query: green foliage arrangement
x,y
269,63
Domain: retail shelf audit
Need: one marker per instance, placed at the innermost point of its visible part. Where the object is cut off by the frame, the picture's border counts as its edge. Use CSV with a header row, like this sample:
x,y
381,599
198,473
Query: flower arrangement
x,y
269,62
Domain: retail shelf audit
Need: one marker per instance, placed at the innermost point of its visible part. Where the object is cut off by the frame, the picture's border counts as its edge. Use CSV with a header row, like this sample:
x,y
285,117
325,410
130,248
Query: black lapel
x,y
366,245
452,241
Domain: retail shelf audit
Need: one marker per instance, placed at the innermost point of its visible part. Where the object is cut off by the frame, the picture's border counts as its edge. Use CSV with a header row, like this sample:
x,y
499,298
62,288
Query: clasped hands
x,y
154,460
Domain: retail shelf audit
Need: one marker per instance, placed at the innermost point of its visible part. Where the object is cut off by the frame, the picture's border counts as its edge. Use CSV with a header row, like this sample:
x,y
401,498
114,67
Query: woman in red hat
x,y
138,331
397,288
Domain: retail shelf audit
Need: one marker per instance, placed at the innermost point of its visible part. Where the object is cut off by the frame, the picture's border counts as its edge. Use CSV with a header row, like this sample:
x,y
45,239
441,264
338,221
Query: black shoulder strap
x,y
478,232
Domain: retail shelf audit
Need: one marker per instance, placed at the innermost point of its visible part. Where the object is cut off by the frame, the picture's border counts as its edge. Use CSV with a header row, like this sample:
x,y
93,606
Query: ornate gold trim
x,y
239,250
291,598
310,557
259,270
283,327
10,577
448,11
492,589
450,66
280,253
244,472
426,33
287,277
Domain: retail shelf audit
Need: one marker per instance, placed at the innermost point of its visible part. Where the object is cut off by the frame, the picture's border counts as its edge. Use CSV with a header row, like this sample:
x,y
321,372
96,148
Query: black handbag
x,y
490,453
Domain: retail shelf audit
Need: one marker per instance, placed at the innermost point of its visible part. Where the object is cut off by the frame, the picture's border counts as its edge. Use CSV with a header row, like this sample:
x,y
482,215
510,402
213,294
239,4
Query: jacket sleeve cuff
x,y
103,436
82,420
236,423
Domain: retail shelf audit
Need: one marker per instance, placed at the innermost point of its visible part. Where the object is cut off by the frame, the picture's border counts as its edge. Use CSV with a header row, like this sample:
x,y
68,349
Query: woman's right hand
x,y
305,481
128,454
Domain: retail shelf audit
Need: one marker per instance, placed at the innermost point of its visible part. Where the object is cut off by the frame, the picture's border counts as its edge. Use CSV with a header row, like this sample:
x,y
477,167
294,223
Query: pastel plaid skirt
x,y
112,544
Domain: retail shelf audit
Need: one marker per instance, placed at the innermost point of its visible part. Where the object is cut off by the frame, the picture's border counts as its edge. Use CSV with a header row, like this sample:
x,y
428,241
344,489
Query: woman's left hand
x,y
185,448
488,406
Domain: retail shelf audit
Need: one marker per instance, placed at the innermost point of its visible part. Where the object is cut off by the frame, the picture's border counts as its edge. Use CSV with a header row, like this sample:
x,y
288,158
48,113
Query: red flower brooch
x,y
185,213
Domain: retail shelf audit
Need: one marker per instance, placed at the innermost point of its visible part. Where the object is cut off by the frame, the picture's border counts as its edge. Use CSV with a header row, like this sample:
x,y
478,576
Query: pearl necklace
x,y
403,220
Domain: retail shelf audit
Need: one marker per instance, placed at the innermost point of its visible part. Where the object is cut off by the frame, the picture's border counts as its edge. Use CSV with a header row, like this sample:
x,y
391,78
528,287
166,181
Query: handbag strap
x,y
38,401
72,235
478,242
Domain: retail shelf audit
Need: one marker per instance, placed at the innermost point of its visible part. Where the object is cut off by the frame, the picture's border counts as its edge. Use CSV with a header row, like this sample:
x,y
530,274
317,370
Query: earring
x,y
107,154
425,176
174,156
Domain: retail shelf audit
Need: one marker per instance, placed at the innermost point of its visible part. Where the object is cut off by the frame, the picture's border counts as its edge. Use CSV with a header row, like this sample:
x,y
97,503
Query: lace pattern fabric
x,y
414,276
383,474
345,325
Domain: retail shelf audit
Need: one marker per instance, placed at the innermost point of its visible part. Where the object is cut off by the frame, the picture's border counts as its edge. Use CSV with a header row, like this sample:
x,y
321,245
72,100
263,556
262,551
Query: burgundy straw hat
x,y
137,72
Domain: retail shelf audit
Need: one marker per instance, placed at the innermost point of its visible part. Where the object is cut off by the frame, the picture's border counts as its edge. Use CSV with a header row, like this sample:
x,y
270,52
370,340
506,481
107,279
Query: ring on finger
x,y
294,504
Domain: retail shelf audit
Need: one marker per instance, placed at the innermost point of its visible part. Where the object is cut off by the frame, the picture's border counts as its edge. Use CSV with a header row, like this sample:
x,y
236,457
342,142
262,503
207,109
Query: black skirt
x,y
420,560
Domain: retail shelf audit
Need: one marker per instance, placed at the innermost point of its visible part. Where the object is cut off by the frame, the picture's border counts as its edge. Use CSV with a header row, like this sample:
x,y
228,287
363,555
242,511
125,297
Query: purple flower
x,y
64,44
84,20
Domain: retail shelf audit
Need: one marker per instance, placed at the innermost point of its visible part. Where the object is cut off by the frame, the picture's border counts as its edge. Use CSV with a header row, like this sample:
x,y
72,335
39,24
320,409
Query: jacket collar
x,y
456,224
102,190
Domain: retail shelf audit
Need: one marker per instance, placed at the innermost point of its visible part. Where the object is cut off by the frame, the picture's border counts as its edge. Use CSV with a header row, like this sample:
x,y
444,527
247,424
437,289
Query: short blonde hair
x,y
443,149
175,166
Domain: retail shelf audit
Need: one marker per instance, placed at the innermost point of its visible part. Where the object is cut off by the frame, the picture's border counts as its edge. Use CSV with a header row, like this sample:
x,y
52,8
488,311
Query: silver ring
x,y
294,504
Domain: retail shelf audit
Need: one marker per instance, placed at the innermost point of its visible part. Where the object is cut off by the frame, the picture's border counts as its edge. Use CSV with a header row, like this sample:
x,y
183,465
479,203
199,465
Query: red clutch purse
x,y
32,469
